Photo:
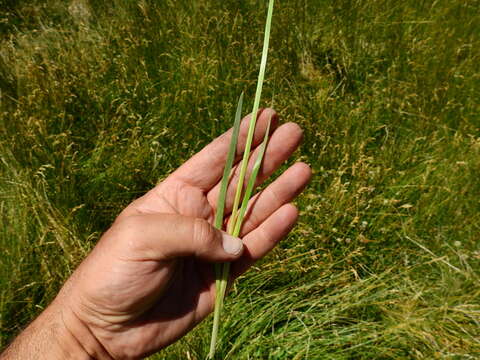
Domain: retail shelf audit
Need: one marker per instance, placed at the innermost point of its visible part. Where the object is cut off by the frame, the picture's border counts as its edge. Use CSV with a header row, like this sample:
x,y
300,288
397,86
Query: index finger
x,y
205,168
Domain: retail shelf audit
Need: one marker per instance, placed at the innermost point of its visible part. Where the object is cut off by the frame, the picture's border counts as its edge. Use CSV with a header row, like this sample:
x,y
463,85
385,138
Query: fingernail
x,y
231,245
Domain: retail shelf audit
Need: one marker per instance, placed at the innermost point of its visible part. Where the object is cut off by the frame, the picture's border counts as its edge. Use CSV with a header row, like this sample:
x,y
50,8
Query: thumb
x,y
166,236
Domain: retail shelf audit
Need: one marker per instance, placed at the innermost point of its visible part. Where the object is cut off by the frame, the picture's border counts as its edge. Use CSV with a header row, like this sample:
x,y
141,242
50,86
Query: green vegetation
x,y
222,270
235,222
100,100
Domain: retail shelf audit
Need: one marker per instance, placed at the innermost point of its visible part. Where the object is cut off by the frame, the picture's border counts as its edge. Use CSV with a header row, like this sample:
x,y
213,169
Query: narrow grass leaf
x,y
228,165
251,182
253,120
219,216
222,283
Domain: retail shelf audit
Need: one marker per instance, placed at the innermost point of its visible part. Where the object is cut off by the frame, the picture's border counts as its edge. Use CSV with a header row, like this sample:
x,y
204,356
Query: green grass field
x,y
99,102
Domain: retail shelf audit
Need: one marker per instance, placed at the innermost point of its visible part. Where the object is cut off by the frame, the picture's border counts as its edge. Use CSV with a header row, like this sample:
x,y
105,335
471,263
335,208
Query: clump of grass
x,y
238,211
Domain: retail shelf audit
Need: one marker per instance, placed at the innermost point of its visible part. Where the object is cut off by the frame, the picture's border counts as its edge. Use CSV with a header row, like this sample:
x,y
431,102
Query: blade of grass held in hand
x,y
221,282
221,286
219,215
228,165
253,120
251,182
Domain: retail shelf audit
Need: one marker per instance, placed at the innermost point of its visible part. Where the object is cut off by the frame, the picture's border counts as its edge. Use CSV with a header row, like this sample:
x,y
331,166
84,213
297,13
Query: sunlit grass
x,y
95,112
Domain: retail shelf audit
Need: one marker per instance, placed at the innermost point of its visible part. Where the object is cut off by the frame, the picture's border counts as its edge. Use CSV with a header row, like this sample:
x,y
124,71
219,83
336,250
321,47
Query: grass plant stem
x,y
219,218
236,217
253,120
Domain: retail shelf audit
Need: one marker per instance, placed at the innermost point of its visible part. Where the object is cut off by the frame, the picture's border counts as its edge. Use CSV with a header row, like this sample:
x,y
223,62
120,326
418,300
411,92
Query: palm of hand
x,y
137,306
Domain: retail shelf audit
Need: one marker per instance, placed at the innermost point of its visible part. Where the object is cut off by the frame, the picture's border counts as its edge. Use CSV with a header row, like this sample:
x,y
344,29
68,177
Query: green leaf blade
x,y
228,165
253,120
218,223
222,271
251,181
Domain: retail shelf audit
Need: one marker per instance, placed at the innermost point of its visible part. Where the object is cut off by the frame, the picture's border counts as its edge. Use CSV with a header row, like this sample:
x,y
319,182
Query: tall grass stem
x,y
253,120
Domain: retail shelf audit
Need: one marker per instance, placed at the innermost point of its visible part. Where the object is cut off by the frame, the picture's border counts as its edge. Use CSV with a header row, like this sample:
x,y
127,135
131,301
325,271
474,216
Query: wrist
x,y
78,335
45,338
65,344
55,335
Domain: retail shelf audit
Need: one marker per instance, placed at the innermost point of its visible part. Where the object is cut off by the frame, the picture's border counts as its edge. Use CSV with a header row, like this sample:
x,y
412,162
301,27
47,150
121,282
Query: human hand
x,y
150,278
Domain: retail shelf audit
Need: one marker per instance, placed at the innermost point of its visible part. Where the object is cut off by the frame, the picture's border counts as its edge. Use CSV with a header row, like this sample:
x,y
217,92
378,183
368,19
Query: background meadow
x,y
101,100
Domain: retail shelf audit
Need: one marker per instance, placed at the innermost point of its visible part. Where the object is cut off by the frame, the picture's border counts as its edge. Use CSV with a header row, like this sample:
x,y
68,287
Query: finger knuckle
x,y
123,236
128,226
275,197
253,220
205,235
